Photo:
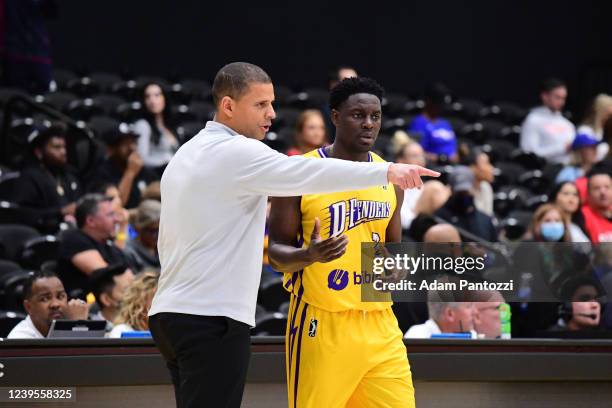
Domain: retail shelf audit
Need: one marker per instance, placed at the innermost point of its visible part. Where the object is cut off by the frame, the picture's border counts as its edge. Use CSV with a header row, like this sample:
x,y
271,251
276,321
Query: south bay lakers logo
x,y
346,215
312,329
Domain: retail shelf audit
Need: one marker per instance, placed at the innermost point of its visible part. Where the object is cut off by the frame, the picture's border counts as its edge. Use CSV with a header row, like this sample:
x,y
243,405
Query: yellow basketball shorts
x,y
346,359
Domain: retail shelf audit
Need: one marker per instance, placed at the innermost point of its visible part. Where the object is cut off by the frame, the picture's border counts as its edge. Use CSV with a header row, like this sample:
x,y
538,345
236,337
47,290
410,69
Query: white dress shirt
x,y
214,194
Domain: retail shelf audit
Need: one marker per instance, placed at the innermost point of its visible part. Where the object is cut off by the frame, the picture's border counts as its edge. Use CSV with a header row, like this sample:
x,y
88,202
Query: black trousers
x,y
208,357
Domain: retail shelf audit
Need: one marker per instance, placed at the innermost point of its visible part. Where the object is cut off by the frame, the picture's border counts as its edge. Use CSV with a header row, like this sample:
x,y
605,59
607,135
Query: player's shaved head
x,y
442,233
233,80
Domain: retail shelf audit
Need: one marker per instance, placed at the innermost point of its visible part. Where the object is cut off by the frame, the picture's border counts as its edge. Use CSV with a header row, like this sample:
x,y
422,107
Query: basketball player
x,y
341,351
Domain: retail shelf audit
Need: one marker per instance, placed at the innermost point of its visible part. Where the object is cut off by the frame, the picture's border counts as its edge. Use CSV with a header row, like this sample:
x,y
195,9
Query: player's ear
x,y
227,106
334,117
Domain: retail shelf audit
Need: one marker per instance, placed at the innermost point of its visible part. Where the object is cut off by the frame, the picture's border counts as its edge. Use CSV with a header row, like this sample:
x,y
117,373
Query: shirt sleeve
x,y
73,243
261,170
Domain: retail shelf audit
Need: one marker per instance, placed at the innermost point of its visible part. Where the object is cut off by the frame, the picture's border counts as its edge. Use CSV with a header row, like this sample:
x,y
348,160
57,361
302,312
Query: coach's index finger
x,y
423,171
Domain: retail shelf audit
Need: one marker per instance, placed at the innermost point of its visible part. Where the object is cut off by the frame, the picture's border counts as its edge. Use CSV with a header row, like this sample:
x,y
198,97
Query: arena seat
x,y
509,112
8,320
38,250
271,324
128,90
12,239
535,181
187,130
62,77
105,80
197,89
533,202
471,110
498,150
84,109
101,124
528,160
108,102
11,289
272,294
59,100
84,87
128,112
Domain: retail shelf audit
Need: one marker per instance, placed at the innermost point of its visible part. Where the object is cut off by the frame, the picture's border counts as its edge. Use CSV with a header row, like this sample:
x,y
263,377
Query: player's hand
x,y
77,309
325,250
408,175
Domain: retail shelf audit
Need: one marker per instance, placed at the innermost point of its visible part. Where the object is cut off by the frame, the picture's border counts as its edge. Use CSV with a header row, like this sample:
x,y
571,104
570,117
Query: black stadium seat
x,y
128,112
197,89
528,160
8,266
11,289
272,294
84,87
186,131
59,100
108,102
8,320
12,239
38,250
271,324
102,124
535,181
62,77
533,202
105,80
84,109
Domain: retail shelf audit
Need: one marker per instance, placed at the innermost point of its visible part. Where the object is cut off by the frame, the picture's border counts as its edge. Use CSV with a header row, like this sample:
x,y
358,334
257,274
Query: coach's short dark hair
x,y
233,80
88,205
351,86
32,278
551,83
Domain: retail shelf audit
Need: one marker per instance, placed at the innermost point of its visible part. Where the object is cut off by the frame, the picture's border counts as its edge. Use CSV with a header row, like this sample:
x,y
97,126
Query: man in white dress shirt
x,y
545,131
214,194
46,300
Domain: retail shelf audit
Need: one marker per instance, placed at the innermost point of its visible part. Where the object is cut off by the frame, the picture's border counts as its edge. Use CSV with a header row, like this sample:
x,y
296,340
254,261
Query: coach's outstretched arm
x,y
262,170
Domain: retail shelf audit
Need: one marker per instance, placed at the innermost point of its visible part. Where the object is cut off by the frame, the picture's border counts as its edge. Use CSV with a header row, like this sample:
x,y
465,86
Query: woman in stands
x,y
593,125
135,305
157,142
309,132
565,196
543,268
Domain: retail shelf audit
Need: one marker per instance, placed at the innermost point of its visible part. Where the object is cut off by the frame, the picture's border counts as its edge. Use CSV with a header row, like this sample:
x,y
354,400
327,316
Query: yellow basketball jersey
x,y
363,216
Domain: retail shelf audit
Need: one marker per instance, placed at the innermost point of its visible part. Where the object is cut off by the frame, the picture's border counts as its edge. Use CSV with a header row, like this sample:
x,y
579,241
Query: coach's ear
x,y
226,106
334,117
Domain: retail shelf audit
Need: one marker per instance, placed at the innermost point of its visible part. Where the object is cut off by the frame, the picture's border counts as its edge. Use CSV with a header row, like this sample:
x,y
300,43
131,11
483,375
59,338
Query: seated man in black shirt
x,y
90,247
124,167
460,209
48,187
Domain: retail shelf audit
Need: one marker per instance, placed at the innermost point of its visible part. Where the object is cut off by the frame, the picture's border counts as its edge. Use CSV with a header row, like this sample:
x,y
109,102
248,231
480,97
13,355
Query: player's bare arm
x,y
285,226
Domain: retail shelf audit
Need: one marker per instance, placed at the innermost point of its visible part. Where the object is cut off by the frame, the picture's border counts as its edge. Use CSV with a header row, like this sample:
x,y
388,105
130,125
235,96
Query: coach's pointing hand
x,y
325,250
408,175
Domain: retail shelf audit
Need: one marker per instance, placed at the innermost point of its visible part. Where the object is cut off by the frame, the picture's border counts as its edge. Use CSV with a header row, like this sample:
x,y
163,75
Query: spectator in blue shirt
x,y
436,134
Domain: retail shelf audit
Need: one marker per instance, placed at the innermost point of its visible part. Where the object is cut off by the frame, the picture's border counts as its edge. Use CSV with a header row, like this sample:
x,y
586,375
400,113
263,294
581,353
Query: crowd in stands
x,y
508,177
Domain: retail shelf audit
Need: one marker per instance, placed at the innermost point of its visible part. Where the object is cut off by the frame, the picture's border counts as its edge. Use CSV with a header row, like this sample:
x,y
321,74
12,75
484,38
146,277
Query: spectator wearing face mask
x,y
460,209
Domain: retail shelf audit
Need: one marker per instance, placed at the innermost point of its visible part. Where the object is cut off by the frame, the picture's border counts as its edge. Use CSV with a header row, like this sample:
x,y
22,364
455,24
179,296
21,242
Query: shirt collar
x,y
214,125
